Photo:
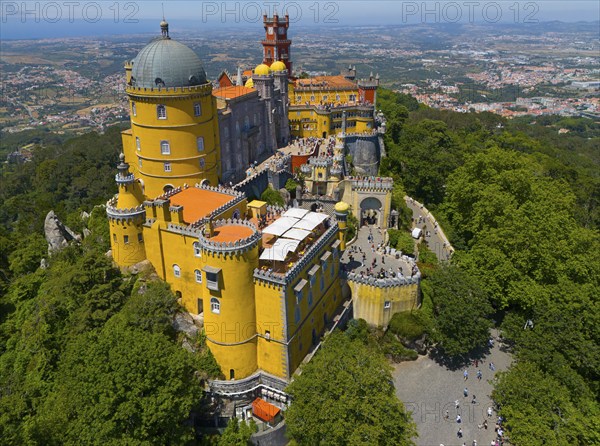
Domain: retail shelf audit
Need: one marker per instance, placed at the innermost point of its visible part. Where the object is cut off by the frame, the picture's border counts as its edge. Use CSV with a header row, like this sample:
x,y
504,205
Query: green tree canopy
x,y
461,309
345,395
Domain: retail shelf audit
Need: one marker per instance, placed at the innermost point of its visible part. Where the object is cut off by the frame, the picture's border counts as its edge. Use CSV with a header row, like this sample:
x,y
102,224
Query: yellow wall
x,y
180,129
368,301
132,252
231,334
307,121
272,353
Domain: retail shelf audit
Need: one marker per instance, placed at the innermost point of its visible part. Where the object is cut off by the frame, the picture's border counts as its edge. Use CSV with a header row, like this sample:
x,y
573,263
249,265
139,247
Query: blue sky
x,y
71,18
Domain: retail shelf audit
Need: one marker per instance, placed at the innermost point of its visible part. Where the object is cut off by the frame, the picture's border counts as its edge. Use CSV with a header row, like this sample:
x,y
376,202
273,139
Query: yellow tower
x,y
341,215
174,135
126,215
229,257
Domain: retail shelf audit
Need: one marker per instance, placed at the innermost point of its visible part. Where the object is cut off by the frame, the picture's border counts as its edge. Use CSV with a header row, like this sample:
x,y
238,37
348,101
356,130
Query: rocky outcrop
x,y
57,234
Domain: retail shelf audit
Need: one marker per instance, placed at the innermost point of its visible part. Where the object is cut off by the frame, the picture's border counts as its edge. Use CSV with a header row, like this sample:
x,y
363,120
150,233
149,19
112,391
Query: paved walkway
x,y
428,390
354,260
436,239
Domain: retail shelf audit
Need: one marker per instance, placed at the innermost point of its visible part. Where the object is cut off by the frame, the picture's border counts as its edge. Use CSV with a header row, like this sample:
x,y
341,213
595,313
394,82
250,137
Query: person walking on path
x,y
466,392
458,419
479,375
446,415
457,404
473,401
466,374
459,434
489,411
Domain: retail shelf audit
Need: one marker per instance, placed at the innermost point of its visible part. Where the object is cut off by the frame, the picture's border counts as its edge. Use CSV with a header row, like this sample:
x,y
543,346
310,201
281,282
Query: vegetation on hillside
x,y
354,405
519,202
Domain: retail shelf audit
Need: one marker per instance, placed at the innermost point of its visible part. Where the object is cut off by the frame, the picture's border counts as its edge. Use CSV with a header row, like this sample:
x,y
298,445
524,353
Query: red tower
x,y
276,45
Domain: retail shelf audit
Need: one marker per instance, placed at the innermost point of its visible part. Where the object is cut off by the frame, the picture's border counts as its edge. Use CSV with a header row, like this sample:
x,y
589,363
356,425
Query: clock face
x,y
270,30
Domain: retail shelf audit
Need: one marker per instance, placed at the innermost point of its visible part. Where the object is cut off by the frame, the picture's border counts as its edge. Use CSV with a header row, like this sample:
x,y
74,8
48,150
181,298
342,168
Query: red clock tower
x,y
276,45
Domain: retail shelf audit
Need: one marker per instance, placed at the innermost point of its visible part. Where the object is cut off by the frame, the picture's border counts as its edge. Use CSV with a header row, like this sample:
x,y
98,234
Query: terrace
x,y
291,241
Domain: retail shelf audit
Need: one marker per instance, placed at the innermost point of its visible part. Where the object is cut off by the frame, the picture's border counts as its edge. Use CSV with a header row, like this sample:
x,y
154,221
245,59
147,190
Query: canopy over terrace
x,y
292,228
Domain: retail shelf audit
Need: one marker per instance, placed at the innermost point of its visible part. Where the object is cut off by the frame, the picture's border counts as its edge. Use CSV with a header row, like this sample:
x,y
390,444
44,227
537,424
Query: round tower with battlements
x,y
126,216
229,257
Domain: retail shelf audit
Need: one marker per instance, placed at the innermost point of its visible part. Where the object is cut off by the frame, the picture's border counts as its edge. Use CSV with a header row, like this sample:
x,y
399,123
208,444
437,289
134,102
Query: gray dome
x,y
167,63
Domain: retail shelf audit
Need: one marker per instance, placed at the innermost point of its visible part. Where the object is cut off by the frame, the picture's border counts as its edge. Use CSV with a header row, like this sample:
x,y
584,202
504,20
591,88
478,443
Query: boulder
x,y
57,234
184,323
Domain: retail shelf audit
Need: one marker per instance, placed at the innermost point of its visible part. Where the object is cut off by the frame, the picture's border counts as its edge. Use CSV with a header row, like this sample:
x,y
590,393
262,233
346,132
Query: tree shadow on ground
x,y
454,363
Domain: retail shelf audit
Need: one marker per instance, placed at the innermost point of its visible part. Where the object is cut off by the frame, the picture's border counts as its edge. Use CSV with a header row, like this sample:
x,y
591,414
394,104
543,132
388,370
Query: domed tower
x,y
229,257
263,82
341,215
126,215
174,135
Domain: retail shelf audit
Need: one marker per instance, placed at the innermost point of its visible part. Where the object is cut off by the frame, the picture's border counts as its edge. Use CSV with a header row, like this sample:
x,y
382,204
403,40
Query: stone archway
x,y
370,211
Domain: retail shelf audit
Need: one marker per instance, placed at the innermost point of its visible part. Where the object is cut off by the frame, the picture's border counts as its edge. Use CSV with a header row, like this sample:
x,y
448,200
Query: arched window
x,y
133,109
197,250
200,143
236,214
176,271
167,167
312,98
297,314
198,274
138,143
165,148
202,163
215,305
197,109
161,112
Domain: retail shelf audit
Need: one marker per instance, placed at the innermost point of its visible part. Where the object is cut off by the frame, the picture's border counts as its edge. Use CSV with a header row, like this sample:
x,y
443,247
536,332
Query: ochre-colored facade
x,y
177,146
377,304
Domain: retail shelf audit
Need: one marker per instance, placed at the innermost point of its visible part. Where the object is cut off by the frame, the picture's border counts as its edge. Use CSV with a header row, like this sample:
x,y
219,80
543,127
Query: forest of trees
x,y
88,354
519,202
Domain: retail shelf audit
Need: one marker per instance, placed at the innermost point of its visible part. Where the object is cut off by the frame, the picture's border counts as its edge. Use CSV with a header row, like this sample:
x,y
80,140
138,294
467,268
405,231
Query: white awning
x,y
315,217
297,234
272,255
286,244
280,249
279,226
295,212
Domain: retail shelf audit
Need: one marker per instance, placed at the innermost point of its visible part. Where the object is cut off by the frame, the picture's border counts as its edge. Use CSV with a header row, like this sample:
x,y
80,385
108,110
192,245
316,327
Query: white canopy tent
x,y
297,234
280,226
295,212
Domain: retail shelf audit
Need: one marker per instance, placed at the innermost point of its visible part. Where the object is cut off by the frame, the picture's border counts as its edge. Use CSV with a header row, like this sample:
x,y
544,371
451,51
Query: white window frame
x,y
215,305
138,143
387,305
198,275
197,109
197,249
161,111
133,108
176,271
167,167
200,143
165,147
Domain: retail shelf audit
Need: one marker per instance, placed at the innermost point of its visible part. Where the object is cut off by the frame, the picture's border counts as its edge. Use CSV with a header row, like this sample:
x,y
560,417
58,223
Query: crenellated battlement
x,y
238,246
115,213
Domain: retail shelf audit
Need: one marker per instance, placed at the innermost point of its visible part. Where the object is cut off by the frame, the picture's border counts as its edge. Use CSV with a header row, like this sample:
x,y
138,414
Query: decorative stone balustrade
x,y
238,246
336,170
247,385
204,88
305,168
120,179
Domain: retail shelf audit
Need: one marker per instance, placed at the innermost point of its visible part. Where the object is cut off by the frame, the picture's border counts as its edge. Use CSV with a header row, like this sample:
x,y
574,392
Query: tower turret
x,y
126,215
276,45
229,256
341,215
